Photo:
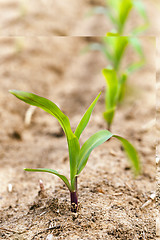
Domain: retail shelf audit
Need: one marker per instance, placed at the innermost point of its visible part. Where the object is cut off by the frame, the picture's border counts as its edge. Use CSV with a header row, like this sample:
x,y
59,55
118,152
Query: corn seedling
x,y
113,48
115,77
118,11
78,156
113,92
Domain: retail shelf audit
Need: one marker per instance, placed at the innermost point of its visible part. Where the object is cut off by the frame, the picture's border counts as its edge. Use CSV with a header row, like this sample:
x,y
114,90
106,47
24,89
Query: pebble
x,y
10,188
49,237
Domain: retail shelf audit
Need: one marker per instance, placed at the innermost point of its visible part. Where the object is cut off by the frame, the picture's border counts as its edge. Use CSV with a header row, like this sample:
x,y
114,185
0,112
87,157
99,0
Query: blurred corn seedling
x,y
118,11
114,49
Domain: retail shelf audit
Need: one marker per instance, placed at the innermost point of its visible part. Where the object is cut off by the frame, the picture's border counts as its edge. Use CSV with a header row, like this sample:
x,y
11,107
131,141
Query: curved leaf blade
x,y
137,46
53,109
63,178
85,119
140,29
47,106
94,141
120,45
135,66
124,10
135,42
141,9
131,153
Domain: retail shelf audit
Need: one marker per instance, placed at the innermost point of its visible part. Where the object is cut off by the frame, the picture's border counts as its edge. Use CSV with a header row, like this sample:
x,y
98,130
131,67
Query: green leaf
x,y
140,29
119,10
116,46
124,10
109,115
97,47
111,94
135,66
120,44
108,48
137,46
50,107
94,141
141,9
111,16
64,179
121,87
132,154
47,106
113,3
112,87
85,119
110,34
107,53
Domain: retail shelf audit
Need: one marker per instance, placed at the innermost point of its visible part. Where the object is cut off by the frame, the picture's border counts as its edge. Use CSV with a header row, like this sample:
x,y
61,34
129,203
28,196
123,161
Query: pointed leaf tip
x,y
53,109
63,178
85,119
131,153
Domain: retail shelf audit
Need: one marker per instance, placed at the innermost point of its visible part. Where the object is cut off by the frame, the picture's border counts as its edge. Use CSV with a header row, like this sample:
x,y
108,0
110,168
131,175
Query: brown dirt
x,y
110,198
158,137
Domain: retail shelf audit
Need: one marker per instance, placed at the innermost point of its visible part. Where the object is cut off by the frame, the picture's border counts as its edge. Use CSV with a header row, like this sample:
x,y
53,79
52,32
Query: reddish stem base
x,y
74,202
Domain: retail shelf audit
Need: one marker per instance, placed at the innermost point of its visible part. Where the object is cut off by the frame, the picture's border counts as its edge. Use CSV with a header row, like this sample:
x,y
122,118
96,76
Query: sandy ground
x,y
110,198
112,203
158,139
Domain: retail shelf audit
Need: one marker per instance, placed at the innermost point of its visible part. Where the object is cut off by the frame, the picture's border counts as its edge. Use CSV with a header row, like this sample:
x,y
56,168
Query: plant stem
x,y
109,127
74,198
74,202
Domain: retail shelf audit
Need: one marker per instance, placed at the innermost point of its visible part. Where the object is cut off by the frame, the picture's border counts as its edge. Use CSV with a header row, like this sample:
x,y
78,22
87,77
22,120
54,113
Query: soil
x,y
111,199
158,139
113,204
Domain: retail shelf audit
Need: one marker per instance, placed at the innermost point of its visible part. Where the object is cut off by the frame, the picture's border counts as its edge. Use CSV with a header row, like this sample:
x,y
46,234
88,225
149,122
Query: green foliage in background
x,y
114,47
117,11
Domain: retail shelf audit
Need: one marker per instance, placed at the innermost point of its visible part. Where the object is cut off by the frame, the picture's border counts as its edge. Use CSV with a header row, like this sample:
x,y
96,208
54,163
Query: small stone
x,y
49,237
41,185
74,216
153,196
157,160
10,187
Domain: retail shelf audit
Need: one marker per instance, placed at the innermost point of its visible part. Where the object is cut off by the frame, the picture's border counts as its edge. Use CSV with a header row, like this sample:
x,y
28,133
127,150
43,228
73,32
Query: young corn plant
x,y
118,12
114,48
113,92
78,155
